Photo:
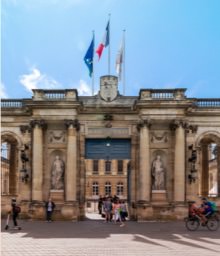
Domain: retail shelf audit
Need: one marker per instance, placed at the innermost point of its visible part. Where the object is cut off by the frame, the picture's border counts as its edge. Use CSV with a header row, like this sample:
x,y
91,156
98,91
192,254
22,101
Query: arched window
x,y
9,165
5,167
95,188
212,169
209,163
108,188
120,189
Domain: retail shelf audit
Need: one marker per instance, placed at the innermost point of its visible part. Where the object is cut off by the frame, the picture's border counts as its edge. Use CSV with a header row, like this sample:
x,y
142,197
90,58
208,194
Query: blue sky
x,y
168,44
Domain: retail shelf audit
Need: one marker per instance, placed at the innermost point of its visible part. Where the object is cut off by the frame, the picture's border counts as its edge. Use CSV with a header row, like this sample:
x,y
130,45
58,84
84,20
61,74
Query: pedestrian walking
x,y
15,210
117,213
107,206
124,211
100,203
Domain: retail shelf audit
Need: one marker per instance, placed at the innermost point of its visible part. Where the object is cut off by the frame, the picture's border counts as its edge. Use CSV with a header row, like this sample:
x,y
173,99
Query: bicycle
x,y
193,222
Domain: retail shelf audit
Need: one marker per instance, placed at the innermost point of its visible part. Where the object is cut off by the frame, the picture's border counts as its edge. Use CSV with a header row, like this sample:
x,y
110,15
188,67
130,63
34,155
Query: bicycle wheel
x,y
212,224
192,224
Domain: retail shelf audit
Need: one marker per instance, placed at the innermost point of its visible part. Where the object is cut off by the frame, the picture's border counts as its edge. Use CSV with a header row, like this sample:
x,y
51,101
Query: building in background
x,y
156,150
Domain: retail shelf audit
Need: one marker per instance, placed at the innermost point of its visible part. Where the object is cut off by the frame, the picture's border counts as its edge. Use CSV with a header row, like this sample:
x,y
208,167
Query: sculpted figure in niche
x,y
57,180
158,174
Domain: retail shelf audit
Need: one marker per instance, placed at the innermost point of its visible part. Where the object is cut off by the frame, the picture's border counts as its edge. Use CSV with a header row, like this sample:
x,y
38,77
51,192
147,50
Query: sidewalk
x,y
96,238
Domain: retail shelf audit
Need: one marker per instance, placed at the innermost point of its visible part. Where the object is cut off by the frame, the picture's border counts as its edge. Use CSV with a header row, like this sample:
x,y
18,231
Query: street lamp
x,y
192,176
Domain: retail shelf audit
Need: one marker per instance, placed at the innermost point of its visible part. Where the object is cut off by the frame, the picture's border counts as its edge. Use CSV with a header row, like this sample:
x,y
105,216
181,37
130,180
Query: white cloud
x,y
83,88
196,88
36,80
3,93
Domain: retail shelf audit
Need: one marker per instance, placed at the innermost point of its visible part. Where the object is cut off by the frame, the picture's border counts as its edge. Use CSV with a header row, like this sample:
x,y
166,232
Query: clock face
x,y
108,90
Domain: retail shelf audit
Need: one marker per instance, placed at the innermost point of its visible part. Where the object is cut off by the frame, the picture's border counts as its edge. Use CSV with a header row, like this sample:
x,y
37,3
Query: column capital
x,y
192,128
41,123
143,123
178,123
25,128
70,122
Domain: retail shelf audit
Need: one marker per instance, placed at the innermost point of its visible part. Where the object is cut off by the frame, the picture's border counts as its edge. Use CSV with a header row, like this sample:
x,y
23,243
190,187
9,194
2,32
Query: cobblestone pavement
x,y
94,237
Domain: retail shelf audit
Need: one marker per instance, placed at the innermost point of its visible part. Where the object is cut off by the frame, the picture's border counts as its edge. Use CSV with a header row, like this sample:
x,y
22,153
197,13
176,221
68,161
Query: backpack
x,y
17,209
213,206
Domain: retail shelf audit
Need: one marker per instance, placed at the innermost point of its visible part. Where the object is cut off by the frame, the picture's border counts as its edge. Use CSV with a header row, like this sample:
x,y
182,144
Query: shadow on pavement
x,y
152,233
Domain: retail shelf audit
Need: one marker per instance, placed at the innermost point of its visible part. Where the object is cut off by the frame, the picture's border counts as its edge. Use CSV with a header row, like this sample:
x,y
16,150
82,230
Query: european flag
x,y
89,57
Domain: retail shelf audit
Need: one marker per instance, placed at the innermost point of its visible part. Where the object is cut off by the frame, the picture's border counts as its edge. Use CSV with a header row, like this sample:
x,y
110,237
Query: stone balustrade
x,y
68,94
162,94
208,103
145,94
12,103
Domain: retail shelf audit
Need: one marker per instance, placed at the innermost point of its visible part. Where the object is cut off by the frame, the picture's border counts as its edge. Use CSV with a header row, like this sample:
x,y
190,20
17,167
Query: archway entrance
x,y
210,166
9,167
106,165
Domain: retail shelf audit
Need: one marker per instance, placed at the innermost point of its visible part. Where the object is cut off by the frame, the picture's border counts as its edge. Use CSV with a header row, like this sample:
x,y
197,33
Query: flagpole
x,y
93,34
124,62
109,46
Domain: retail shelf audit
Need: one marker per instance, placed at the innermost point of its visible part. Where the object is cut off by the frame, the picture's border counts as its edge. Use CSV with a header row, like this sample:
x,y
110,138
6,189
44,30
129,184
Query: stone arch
x,y
10,164
208,169
11,136
208,134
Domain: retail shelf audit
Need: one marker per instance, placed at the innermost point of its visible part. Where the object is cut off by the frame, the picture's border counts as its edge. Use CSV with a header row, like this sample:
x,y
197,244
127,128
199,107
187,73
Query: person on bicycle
x,y
207,207
195,210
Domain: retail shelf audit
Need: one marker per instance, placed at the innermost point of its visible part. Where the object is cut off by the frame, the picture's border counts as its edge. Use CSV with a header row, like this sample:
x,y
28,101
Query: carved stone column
x,y
37,160
144,179
71,165
179,161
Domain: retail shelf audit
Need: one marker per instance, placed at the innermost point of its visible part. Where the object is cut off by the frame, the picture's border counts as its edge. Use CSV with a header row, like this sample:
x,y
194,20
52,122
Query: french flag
x,y
105,41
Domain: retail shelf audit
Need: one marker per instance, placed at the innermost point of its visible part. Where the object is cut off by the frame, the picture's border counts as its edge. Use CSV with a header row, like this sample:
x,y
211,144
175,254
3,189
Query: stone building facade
x,y
156,151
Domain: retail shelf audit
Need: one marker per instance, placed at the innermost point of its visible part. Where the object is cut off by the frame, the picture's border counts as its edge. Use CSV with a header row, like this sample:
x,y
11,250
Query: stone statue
x,y
158,174
58,168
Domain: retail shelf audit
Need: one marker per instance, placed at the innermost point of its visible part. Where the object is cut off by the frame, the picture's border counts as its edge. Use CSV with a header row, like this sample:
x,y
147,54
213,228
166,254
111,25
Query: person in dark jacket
x,y
50,205
15,210
100,203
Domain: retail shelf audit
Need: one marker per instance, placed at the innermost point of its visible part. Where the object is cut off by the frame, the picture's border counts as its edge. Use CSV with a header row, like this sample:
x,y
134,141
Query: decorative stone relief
x,y
159,137
56,136
108,131
145,94
108,88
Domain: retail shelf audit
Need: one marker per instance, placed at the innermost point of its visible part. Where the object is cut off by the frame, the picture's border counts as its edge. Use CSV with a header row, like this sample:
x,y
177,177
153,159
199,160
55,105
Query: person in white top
x,y
117,212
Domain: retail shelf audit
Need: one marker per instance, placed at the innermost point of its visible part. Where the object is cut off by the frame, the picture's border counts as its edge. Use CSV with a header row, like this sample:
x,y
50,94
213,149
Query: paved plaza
x,y
96,238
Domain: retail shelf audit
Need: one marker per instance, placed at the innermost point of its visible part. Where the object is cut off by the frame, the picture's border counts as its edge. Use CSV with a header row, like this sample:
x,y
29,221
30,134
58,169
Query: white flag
x,y
119,60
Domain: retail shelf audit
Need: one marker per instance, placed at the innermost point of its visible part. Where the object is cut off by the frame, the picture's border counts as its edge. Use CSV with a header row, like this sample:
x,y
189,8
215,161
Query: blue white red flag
x,y
104,43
